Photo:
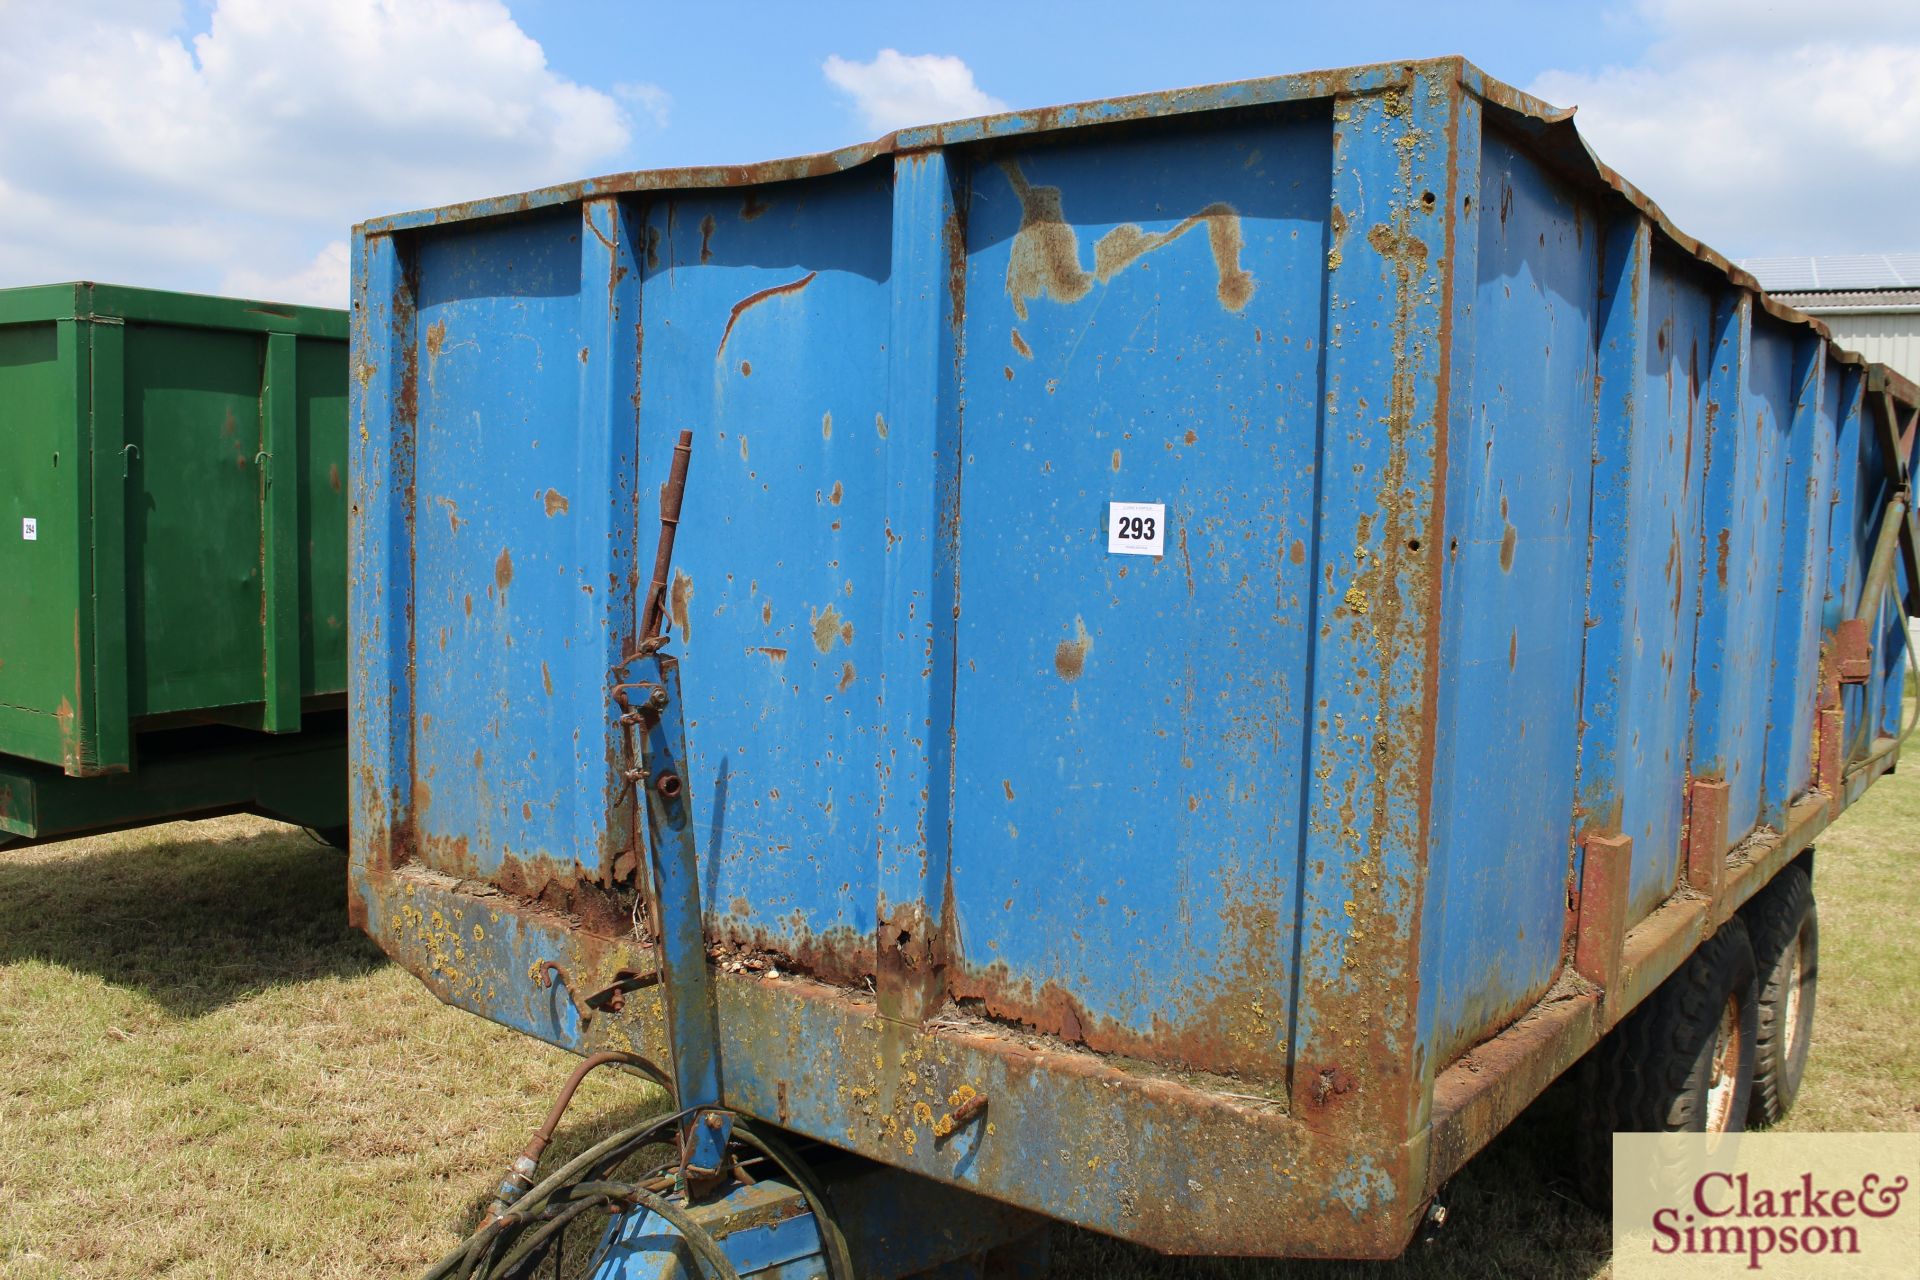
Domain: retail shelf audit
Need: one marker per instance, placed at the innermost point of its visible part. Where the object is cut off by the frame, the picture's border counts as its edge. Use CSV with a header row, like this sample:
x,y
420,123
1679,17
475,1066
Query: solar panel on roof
x,y
1839,271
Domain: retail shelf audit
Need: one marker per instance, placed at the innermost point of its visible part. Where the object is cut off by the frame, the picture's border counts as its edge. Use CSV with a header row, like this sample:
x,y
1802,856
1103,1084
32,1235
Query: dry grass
x,y
205,1072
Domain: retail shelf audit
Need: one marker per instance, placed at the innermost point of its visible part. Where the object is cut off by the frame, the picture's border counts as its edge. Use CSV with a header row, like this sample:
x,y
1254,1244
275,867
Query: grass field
x,y
205,1073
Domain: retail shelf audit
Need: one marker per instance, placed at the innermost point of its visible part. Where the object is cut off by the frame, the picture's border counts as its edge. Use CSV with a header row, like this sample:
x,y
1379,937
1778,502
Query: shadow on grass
x,y
191,915
1510,1213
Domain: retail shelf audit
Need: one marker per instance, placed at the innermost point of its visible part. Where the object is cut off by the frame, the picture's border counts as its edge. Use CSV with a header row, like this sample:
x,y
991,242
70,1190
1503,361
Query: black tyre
x,y
1680,1063
1785,928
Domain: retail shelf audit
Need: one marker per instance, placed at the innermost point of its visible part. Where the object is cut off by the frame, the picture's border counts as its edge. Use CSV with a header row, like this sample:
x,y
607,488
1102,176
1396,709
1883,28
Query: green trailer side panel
x,y
279,552
107,731
194,521
43,537
182,462
321,378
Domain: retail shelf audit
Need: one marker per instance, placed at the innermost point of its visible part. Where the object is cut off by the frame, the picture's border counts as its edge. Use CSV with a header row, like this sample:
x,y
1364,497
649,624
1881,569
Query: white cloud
x,y
651,99
322,282
132,153
896,89
1789,129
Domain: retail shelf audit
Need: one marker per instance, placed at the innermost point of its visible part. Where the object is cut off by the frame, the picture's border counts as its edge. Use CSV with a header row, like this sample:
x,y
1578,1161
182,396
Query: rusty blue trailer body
x,y
1529,592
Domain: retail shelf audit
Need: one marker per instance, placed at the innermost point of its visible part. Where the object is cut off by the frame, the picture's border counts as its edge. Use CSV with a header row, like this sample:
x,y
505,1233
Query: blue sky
x,y
750,87
228,145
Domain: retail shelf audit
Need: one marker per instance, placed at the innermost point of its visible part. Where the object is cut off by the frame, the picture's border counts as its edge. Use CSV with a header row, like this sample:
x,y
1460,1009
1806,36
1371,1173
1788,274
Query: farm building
x,y
1871,301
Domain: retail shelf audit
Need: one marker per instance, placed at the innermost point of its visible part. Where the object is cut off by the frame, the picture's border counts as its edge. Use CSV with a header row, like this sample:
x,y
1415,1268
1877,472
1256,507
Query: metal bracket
x,y
704,1158
1852,652
611,998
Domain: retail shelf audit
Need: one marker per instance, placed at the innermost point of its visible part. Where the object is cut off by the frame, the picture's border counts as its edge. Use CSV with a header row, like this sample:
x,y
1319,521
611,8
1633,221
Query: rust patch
x,y
436,339
1297,552
1399,246
503,571
752,206
1045,259
846,676
706,239
333,476
1125,245
1720,559
880,425
746,370
453,514
826,425
1070,656
771,652
1006,785
1508,539
1116,460
1329,1082
755,299
836,493
555,503
1337,228
827,625
546,679
468,604
680,599
1020,345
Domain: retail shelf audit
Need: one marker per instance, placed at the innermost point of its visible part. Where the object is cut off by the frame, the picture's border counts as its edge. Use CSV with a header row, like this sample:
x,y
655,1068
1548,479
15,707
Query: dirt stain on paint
x,y
680,597
827,626
1070,657
1045,258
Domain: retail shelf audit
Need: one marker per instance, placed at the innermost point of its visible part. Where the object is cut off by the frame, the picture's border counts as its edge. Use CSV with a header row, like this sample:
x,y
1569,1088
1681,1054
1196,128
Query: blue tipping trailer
x,y
1217,641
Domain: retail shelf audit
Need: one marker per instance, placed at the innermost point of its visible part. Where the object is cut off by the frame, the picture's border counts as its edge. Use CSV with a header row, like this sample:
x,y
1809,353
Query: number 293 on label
x,y
1136,528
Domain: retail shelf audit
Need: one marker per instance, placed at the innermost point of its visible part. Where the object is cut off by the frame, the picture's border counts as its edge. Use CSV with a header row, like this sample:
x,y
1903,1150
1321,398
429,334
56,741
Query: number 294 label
x,y
1136,528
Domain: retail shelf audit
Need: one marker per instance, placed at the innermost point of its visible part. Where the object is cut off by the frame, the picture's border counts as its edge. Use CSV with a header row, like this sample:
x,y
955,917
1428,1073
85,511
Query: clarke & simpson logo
x,y
1728,1215
1768,1203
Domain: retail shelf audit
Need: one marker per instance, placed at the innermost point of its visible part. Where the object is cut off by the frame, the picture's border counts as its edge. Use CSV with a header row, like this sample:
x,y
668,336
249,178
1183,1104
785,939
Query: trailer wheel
x,y
1680,1063
1785,928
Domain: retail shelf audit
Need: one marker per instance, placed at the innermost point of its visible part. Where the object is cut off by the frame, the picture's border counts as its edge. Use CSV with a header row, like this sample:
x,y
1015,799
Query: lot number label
x,y
1136,528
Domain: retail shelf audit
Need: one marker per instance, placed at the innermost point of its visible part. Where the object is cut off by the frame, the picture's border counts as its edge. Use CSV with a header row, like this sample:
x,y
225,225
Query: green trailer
x,y
173,580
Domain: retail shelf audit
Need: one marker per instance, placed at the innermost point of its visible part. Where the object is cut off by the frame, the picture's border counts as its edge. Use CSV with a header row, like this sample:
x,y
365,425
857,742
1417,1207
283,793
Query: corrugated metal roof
x,y
1865,299
1837,271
